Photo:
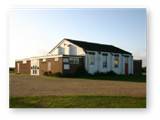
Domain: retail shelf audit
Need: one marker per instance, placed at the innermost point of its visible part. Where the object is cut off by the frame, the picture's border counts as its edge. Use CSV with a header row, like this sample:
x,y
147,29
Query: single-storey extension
x,y
70,56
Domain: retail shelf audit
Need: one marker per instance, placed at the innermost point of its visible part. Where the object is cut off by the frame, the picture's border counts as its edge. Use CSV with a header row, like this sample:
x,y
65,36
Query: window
x,y
126,59
116,61
49,66
60,50
34,69
74,60
104,60
72,50
65,60
66,67
91,58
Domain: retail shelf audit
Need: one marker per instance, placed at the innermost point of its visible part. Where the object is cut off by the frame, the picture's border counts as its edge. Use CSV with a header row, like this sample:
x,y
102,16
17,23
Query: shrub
x,y
11,70
49,73
111,73
81,72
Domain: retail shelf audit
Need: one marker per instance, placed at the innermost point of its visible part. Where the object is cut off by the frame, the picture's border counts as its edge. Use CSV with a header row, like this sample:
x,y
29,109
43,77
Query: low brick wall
x,y
137,66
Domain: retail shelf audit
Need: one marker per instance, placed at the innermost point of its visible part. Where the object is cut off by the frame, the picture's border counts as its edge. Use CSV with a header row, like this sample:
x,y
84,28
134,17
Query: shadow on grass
x,y
78,102
101,76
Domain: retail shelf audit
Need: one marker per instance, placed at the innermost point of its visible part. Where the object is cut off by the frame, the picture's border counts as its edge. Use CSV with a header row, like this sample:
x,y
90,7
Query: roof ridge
x,y
87,42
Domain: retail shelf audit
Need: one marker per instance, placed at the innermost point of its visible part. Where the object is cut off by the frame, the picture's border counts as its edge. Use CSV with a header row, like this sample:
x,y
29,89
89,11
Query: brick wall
x,y
56,65
137,66
24,68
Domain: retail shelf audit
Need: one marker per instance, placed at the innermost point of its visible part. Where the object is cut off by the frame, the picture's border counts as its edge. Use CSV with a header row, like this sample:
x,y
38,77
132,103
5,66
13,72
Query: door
x,y
35,67
126,68
34,70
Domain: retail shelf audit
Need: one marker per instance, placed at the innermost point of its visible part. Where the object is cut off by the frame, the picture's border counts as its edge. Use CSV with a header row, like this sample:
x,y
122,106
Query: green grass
x,y
77,102
129,78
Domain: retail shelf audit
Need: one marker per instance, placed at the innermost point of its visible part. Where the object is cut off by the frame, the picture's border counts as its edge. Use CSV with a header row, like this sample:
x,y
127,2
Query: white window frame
x,y
35,69
66,66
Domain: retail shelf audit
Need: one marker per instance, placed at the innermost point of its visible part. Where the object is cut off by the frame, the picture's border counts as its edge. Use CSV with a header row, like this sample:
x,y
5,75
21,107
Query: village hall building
x,y
70,55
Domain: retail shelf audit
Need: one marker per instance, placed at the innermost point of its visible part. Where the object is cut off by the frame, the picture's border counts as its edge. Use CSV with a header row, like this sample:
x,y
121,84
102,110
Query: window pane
x,y
74,60
126,59
104,60
65,60
91,59
116,61
66,67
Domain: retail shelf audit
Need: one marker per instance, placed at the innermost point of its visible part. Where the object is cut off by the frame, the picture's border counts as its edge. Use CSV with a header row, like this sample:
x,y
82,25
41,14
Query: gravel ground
x,y
25,85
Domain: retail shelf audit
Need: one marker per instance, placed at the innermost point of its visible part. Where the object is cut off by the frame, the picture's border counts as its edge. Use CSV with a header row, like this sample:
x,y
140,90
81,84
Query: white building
x,y
98,57
70,55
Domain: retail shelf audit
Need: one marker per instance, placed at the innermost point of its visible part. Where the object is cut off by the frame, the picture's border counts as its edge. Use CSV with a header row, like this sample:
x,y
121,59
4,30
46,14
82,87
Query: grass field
x,y
77,102
55,92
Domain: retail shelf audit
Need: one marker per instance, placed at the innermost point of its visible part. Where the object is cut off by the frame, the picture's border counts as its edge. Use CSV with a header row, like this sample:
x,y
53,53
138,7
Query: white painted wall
x,y
69,49
98,66
130,65
92,68
54,52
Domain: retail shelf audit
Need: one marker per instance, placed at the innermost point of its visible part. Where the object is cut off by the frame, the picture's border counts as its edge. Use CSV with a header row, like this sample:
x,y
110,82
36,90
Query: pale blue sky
x,y
36,31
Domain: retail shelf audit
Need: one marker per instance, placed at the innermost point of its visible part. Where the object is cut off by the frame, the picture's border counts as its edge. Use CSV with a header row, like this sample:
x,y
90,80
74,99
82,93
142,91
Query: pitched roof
x,y
97,47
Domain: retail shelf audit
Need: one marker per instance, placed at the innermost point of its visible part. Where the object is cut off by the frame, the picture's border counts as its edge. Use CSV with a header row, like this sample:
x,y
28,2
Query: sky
x,y
34,32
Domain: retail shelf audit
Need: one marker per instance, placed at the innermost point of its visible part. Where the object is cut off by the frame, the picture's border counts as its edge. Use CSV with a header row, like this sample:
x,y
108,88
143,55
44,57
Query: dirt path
x,y
21,85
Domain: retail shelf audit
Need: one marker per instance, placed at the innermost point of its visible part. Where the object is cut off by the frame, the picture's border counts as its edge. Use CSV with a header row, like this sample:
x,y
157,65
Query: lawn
x,y
79,92
128,78
78,102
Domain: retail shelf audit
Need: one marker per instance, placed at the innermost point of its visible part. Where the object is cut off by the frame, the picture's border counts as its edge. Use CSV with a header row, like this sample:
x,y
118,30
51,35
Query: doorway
x,y
126,68
35,67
